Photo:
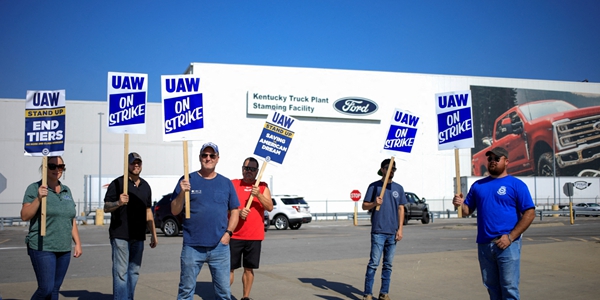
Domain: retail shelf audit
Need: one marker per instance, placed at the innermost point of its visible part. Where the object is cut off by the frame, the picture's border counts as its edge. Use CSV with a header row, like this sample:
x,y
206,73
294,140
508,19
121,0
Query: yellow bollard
x,y
99,217
555,207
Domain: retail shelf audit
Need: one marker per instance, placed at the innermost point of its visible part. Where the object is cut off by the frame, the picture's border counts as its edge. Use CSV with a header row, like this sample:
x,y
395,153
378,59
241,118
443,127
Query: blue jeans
x,y
50,269
192,259
500,269
380,244
127,260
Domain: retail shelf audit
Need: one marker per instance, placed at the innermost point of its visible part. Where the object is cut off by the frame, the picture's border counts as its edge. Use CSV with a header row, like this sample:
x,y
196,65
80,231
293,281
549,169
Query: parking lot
x,y
327,260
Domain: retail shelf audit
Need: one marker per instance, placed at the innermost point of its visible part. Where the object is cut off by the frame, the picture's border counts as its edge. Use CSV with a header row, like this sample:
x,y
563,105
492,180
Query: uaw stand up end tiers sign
x,y
45,116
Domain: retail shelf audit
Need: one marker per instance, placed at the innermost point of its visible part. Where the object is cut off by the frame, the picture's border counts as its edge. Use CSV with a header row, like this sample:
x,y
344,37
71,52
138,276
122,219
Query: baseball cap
x,y
133,156
211,145
498,152
385,162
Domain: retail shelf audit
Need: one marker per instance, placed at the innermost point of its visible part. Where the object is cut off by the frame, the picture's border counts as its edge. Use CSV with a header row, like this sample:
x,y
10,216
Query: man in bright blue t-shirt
x,y
386,228
504,211
207,232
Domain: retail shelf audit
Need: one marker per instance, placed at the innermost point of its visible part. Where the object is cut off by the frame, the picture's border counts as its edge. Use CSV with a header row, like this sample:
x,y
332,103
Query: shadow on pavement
x,y
86,295
348,291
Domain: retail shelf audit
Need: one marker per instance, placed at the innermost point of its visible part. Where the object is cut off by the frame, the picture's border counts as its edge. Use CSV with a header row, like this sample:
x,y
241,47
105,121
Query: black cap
x,y
134,156
384,163
498,152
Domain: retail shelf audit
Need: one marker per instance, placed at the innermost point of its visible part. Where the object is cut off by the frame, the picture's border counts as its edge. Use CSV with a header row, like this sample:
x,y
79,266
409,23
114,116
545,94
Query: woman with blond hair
x,y
50,254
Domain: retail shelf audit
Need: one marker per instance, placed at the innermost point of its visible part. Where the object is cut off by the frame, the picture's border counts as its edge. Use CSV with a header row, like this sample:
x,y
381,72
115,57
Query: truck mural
x,y
543,137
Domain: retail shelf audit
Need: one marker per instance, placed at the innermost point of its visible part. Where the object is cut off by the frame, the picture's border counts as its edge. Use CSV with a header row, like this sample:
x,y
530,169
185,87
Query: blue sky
x,y
68,44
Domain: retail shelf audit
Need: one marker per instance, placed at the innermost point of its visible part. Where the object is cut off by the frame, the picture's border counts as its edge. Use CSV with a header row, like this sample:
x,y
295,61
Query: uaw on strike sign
x,y
127,94
183,111
455,120
45,124
276,137
402,133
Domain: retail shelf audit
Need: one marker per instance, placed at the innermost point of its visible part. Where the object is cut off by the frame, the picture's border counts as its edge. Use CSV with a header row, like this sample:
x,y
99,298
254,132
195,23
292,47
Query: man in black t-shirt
x,y
131,214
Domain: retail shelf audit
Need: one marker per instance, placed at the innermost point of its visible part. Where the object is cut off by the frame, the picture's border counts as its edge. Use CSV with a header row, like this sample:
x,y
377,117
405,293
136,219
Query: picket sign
x,y
455,126
399,139
183,115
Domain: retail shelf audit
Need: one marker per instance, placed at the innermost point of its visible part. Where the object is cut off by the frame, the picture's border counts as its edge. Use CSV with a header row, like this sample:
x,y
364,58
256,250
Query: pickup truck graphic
x,y
536,133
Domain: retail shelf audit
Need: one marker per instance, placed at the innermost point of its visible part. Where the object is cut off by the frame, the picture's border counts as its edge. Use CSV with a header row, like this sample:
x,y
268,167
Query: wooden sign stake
x,y
45,183
186,176
126,169
385,182
458,187
257,183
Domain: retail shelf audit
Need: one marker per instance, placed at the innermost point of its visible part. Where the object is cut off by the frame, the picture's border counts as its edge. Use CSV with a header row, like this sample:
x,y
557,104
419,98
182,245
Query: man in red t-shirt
x,y
247,237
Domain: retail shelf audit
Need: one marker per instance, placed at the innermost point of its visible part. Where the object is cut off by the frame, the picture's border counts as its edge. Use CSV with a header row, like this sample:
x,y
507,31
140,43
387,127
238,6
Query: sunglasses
x,y
53,167
495,158
205,155
250,169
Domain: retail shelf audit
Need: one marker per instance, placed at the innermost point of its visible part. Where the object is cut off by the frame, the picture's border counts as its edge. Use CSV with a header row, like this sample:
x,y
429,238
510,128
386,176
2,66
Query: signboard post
x,y
568,190
400,138
455,126
183,114
127,97
355,196
45,123
274,142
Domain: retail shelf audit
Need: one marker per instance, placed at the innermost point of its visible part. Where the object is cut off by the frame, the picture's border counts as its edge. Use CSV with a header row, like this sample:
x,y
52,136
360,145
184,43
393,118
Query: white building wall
x,y
327,159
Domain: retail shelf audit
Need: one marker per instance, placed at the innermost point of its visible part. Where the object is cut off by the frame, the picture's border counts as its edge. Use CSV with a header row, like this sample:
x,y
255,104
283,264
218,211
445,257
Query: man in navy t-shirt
x,y
207,232
504,211
386,228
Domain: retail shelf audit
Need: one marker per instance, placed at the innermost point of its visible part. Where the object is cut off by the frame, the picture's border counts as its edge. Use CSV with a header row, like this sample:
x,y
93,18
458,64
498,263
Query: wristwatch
x,y
229,232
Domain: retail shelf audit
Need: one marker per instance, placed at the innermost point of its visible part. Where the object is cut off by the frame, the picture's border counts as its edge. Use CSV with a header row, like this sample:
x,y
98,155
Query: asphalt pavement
x,y
563,268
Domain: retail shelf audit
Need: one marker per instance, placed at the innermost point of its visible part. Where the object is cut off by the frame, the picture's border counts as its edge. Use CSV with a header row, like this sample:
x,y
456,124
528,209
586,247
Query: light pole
x,y
100,114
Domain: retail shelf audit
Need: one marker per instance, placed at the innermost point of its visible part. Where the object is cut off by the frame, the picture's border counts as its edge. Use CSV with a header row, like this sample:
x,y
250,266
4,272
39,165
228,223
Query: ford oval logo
x,y
355,106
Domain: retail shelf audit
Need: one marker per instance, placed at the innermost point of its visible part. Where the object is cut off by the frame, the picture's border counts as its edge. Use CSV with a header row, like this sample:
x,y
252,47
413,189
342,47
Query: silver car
x,y
581,208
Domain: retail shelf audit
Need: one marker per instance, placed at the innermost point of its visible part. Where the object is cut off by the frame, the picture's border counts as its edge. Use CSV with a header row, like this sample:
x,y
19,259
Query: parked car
x,y
415,209
581,208
169,224
289,211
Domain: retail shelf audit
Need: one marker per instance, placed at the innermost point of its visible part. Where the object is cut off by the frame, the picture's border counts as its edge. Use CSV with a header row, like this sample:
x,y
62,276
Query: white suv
x,y
289,211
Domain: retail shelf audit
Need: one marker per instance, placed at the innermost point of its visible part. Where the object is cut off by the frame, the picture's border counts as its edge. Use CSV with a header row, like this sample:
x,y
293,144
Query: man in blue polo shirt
x,y
504,211
207,232
386,228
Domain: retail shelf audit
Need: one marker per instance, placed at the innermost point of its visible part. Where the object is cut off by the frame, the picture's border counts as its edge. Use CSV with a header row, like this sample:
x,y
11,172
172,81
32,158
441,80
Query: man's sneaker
x,y
367,297
384,297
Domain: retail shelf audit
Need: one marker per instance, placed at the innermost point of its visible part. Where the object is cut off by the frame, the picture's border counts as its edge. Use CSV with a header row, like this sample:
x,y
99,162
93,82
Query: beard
x,y
495,170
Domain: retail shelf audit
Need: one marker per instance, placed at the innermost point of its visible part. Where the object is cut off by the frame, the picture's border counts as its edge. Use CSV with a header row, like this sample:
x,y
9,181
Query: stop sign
x,y
355,195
